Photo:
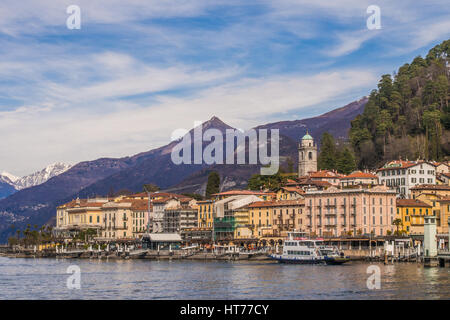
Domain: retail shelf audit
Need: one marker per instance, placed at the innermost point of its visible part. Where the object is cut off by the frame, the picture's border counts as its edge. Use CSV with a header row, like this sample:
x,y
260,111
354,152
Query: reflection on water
x,y
143,279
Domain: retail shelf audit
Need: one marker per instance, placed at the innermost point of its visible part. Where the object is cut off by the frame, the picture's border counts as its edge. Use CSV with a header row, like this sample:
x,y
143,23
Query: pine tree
x,y
213,184
327,157
346,161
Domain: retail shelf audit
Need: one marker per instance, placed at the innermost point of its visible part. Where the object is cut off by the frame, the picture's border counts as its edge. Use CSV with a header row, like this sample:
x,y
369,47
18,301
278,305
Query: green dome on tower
x,y
307,137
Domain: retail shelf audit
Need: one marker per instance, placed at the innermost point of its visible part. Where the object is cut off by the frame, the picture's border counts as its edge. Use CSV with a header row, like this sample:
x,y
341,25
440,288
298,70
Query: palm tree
x,y
397,222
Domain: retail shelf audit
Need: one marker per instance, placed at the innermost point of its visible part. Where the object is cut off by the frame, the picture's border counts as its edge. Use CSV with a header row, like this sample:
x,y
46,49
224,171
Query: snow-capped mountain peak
x,y
8,177
36,178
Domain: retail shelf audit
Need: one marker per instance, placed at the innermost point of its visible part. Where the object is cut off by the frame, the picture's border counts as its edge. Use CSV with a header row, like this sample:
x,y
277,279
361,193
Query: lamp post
x,y
149,206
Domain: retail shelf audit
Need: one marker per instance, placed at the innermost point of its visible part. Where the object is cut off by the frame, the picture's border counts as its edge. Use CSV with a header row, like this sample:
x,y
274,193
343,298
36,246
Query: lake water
x,y
145,279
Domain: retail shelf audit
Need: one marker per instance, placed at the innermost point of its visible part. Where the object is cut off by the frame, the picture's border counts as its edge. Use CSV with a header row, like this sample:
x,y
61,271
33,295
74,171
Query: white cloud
x,y
124,128
70,97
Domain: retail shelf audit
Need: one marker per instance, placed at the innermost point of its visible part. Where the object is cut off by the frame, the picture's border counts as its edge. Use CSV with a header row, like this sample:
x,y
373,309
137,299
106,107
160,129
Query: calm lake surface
x,y
144,279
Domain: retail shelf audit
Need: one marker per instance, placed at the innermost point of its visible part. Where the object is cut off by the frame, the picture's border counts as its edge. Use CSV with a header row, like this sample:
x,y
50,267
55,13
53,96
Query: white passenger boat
x,y
299,249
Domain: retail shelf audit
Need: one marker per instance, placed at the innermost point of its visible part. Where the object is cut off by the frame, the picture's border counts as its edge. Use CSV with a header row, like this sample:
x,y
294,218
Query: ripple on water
x,y
143,279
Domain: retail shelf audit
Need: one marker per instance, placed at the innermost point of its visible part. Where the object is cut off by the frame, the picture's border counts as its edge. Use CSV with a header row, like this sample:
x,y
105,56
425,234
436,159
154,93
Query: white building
x,y
403,175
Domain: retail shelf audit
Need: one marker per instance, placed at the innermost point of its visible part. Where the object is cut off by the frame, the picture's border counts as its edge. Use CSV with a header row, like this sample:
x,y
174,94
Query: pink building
x,y
356,211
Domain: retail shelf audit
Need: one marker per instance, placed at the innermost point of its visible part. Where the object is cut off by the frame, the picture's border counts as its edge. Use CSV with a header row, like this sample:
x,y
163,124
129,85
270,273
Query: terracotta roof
x,y
293,189
82,203
360,175
400,164
262,204
138,195
315,183
411,203
324,174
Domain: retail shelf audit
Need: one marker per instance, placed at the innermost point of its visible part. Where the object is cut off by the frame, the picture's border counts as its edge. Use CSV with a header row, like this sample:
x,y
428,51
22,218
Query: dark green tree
x,y
346,161
213,184
412,105
150,187
327,156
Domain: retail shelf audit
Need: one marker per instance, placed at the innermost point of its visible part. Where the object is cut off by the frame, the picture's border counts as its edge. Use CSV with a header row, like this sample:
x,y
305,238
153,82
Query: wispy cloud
x,y
139,69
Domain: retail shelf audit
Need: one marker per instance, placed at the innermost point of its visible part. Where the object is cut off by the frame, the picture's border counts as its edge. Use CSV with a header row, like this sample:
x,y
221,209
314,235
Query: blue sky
x,y
138,70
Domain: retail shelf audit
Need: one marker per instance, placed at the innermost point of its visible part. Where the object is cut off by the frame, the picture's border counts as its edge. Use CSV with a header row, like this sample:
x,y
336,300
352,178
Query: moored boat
x,y
300,249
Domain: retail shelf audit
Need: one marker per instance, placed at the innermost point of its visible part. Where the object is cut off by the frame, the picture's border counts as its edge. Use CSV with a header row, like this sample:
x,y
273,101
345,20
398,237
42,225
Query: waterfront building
x,y
307,156
179,214
261,218
205,213
358,177
80,214
411,212
432,194
306,183
332,177
139,217
355,211
224,226
276,218
290,193
117,220
161,241
404,175
243,229
287,216
444,215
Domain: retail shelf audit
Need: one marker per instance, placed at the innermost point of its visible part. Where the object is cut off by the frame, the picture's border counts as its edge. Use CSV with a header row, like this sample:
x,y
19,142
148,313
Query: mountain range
x,y
11,183
37,204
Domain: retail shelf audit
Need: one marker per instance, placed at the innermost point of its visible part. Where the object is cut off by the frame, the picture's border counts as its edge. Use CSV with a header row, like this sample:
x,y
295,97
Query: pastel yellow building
x,y
243,228
445,214
80,214
260,218
411,212
205,214
432,194
290,193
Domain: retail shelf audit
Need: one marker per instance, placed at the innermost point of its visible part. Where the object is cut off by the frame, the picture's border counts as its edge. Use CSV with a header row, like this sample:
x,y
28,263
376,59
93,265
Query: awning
x,y
163,237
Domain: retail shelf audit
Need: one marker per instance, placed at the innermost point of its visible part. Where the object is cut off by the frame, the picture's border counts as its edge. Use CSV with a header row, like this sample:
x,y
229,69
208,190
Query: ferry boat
x,y
299,249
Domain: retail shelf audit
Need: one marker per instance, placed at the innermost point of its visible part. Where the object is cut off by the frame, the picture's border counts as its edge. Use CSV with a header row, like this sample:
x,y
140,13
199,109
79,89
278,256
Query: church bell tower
x,y
307,155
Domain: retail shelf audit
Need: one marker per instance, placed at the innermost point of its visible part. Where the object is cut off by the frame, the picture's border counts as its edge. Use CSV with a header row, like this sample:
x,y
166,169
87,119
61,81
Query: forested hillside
x,y
408,115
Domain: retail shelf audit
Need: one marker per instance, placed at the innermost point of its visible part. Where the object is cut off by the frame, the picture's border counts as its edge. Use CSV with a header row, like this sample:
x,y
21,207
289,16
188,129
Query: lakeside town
x,y
367,215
